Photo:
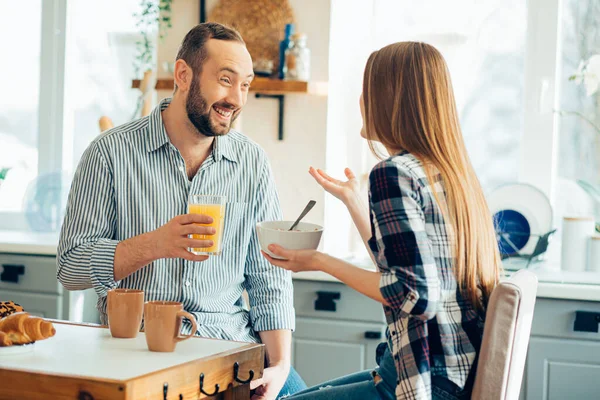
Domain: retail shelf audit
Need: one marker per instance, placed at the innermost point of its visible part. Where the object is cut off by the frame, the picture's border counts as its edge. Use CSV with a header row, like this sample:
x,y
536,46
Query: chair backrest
x,y
505,338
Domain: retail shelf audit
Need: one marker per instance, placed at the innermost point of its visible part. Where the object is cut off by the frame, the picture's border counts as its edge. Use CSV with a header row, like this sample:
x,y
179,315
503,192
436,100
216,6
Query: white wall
x,y
305,115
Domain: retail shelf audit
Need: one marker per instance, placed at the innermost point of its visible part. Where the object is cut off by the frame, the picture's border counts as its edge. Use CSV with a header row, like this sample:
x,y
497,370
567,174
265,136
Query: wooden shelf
x,y
262,88
259,85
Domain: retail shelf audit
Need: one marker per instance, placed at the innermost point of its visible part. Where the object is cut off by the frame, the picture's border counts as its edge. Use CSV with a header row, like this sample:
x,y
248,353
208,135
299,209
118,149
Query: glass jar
x,y
297,59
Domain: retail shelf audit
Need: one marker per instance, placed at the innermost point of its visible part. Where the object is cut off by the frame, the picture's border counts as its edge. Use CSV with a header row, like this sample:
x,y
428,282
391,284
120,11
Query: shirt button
x,y
181,168
188,283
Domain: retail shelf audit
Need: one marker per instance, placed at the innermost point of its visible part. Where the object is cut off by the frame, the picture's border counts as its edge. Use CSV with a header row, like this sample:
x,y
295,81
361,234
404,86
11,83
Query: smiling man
x,y
126,223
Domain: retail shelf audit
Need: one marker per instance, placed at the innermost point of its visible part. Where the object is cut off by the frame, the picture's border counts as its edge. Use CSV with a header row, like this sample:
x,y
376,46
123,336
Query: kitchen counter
x,y
553,283
546,289
19,242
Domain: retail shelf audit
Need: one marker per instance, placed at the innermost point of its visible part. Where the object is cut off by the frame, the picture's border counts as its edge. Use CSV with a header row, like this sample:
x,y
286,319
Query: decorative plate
x,y
45,201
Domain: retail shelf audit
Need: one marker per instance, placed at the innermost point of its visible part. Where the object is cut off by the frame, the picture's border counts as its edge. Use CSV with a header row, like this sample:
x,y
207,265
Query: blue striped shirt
x,y
132,180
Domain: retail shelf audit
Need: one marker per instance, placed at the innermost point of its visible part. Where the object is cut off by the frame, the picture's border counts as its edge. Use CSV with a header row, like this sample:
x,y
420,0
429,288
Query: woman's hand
x,y
296,260
342,190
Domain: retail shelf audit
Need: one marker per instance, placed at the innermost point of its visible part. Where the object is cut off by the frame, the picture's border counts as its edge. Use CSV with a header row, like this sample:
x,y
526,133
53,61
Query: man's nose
x,y
236,97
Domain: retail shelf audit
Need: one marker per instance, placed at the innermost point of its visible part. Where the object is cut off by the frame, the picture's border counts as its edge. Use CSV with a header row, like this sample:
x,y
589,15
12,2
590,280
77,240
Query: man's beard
x,y
198,113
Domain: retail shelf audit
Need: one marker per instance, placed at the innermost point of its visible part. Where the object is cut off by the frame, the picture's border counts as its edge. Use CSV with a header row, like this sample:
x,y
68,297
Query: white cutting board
x,y
91,352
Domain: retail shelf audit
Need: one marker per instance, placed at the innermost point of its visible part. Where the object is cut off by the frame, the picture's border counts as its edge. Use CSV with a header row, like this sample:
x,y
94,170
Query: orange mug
x,y
124,308
162,324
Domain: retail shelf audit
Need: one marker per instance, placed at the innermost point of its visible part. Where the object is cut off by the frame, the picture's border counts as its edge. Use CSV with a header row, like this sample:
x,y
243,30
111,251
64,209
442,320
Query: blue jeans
x,y
293,384
363,385
358,386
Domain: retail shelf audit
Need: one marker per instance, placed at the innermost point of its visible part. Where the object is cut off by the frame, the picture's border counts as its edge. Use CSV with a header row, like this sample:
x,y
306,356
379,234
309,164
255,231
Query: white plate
x,y
528,201
16,349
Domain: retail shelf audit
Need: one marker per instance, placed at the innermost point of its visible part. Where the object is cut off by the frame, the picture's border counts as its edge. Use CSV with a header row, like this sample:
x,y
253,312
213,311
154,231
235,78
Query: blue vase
x,y
283,45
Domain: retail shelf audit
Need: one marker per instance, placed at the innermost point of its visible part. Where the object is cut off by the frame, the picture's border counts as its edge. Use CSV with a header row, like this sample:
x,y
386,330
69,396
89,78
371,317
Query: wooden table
x,y
83,362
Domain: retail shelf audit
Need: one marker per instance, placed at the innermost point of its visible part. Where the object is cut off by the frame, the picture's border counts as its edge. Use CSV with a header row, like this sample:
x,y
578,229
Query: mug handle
x,y
190,317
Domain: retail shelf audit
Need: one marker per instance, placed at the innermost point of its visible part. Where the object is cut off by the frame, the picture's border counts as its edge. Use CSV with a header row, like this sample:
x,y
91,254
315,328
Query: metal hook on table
x,y
236,370
202,387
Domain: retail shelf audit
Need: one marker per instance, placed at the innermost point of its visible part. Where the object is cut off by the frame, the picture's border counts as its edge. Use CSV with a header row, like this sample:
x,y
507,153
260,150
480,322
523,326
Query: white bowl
x,y
304,236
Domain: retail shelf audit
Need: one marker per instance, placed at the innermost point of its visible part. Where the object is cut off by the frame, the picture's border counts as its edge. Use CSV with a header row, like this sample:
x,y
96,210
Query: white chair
x,y
506,338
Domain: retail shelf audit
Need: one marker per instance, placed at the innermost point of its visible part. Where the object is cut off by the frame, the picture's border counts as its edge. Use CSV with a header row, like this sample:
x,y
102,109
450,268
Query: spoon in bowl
x,y
308,207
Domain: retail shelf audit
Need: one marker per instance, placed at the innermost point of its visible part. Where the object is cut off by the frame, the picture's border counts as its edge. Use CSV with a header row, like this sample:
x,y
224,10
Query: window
x,y
503,58
99,66
19,111
579,104
484,46
71,64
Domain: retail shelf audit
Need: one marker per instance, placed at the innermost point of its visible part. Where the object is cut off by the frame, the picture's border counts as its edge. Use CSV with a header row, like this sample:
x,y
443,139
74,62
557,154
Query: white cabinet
x,y
337,331
563,362
30,280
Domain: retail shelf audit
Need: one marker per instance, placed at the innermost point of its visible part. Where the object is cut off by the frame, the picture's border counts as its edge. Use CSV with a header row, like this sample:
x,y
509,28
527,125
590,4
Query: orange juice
x,y
217,212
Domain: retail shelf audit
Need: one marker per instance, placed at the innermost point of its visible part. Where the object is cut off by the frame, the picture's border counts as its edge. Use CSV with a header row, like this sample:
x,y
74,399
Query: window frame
x,y
51,96
539,140
538,159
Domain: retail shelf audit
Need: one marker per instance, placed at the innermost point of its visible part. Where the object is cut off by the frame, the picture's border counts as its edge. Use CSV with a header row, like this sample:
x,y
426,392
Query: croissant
x,y
21,328
5,340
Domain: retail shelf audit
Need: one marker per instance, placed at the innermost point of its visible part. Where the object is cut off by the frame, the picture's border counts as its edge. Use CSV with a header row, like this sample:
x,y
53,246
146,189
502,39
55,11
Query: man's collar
x,y
157,135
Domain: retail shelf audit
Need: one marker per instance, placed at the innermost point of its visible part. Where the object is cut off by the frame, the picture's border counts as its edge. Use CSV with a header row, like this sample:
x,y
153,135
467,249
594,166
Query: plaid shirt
x,y
432,330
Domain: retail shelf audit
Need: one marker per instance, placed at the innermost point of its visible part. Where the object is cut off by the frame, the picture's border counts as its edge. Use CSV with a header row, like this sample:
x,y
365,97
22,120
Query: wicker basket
x,y
261,23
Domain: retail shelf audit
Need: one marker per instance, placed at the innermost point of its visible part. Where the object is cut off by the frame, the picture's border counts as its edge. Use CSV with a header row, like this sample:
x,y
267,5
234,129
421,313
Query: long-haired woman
x,y
428,229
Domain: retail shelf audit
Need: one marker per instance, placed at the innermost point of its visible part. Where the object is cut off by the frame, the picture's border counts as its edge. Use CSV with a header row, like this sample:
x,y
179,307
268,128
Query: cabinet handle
x,y
372,335
11,272
325,301
586,321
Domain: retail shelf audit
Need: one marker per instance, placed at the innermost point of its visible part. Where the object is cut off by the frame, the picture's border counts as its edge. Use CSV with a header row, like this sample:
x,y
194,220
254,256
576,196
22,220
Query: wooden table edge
x,y
126,388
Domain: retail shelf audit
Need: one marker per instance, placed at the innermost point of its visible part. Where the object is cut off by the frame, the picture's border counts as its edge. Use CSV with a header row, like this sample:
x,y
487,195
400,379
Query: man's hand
x,y
171,240
269,386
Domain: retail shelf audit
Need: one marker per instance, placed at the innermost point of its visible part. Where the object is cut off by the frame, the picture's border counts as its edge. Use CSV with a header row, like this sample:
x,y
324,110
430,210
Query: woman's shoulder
x,y
399,175
404,165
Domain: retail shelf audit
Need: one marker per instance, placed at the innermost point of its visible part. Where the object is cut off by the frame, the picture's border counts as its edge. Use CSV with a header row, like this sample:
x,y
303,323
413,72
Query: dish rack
x,y
540,247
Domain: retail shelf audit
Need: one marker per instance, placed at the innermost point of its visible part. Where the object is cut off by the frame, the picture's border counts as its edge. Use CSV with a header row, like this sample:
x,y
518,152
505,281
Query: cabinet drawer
x,y
38,273
333,300
563,369
339,331
41,305
556,318
325,349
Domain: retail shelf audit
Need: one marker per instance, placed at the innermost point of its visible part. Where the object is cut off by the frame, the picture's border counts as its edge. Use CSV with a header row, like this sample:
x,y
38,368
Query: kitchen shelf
x,y
263,88
259,85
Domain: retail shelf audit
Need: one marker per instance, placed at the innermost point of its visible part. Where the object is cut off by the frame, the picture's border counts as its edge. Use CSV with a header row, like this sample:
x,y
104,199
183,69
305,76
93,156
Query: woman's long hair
x,y
409,105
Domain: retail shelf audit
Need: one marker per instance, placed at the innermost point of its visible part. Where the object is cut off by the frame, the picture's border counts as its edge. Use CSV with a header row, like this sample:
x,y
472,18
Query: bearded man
x,y
127,226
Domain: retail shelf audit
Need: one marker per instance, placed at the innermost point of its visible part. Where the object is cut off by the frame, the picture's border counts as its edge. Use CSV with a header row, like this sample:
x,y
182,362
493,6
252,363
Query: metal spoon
x,y
308,207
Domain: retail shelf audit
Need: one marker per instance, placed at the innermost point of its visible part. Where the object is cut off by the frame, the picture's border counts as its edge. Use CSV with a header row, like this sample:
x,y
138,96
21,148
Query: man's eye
x,y
226,80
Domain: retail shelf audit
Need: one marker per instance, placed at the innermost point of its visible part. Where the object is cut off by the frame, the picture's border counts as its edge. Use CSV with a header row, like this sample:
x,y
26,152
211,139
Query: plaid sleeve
x,y
400,243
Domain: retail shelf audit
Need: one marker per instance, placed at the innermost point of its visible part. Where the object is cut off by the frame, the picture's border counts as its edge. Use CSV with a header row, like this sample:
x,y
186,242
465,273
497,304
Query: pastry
x,y
9,307
4,340
22,328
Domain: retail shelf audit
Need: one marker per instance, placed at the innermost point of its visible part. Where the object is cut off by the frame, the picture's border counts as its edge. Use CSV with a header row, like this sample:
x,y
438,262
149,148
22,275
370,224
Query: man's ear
x,y
182,75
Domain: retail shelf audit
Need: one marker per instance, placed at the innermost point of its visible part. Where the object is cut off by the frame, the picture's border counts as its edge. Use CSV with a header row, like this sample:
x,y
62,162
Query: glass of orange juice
x,y
213,206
